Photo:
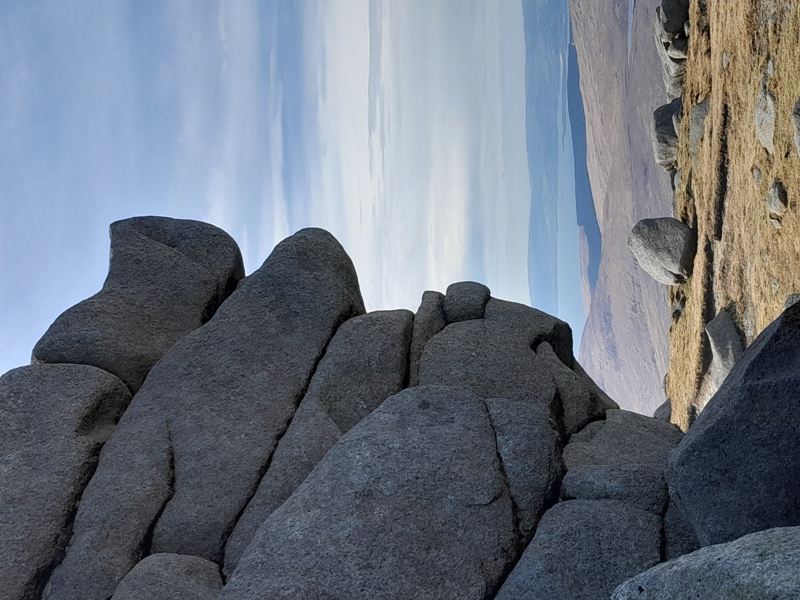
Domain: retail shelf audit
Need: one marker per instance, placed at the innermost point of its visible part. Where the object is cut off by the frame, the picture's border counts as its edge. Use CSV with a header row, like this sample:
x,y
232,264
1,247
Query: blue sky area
x,y
399,127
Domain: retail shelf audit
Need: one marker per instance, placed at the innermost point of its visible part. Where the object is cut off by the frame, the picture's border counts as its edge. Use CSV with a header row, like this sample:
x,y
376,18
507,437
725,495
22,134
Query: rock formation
x,y
282,449
664,248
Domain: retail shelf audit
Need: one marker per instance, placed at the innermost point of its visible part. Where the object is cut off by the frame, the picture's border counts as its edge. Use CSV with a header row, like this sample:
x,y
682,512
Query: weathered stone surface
x,y
428,321
790,300
587,433
53,421
604,398
697,124
626,438
664,412
664,248
765,118
777,202
189,451
171,577
529,450
679,537
464,301
759,566
578,402
491,361
641,486
678,48
664,136
365,363
727,345
582,550
533,325
738,470
166,277
410,503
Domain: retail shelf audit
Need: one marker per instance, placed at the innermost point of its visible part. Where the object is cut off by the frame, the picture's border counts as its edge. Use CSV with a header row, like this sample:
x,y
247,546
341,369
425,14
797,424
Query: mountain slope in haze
x,y
625,342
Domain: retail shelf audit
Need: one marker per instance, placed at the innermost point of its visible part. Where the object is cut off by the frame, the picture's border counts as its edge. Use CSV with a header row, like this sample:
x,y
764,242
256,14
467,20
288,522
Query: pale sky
x,y
398,126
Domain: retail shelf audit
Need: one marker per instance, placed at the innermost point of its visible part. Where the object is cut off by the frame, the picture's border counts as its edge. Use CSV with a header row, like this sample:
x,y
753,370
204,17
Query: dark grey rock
x,y
365,363
410,503
189,452
697,124
792,299
53,421
587,433
678,48
664,412
673,70
727,345
673,15
664,136
171,577
582,550
765,118
530,452
796,125
464,301
428,321
777,202
578,402
738,470
490,360
759,566
641,486
664,248
533,325
166,277
605,399
626,438
679,537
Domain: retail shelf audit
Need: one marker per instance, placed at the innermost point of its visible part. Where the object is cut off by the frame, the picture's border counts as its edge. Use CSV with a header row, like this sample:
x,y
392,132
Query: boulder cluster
x,y
190,433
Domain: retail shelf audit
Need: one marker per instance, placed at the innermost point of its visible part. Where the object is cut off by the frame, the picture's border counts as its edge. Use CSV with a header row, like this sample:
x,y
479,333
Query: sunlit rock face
x,y
288,448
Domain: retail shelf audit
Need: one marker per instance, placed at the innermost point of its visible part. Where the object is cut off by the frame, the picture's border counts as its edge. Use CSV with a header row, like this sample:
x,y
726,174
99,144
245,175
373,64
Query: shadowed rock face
x,y
171,577
738,470
191,448
166,277
53,421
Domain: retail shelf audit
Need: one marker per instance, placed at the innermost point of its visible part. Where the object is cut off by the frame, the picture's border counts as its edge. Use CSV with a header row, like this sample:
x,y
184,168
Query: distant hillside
x,y
625,343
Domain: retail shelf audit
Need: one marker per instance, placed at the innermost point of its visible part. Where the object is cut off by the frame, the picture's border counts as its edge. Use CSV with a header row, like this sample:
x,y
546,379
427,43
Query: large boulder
x,y
365,363
189,452
171,577
673,68
664,248
428,321
166,277
673,15
410,503
664,136
583,549
464,301
641,486
759,566
738,470
53,421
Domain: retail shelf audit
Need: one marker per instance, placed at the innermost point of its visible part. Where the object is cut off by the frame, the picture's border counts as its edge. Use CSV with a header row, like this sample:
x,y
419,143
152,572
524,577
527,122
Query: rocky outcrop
x,y
727,346
671,17
760,565
166,277
664,248
428,321
276,444
190,450
731,475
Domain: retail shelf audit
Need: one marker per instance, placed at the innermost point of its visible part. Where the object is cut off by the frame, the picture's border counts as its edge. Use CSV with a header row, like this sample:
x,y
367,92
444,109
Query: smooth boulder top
x,y
410,503
166,277
53,421
189,452
737,470
464,301
171,577
428,321
760,566
665,248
